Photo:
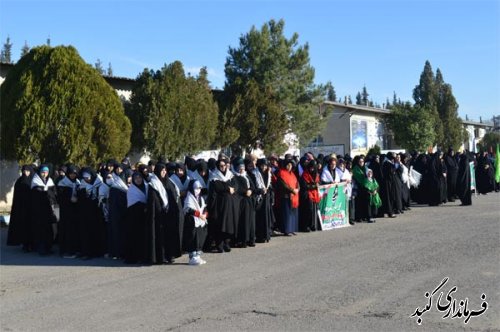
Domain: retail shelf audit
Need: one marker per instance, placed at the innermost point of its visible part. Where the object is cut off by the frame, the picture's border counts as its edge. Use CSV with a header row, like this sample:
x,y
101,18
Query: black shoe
x,y
251,244
351,222
226,247
370,221
391,216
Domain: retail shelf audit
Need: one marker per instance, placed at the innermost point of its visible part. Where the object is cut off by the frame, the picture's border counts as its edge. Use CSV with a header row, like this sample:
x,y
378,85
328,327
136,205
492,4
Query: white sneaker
x,y
202,261
195,260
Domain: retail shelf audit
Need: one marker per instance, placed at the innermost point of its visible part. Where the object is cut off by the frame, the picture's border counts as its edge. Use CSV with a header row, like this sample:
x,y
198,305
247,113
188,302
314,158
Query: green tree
x,y
411,126
6,54
331,95
280,67
447,108
172,114
109,71
98,66
425,95
489,141
359,99
25,50
364,97
55,107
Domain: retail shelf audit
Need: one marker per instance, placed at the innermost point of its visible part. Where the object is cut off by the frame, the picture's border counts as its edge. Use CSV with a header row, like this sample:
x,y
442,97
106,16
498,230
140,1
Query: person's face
x,y
250,166
44,174
202,172
26,172
151,168
88,180
398,158
241,170
72,176
333,163
289,167
138,180
110,168
180,171
263,168
369,174
342,167
163,173
361,162
62,173
129,180
119,170
274,163
222,167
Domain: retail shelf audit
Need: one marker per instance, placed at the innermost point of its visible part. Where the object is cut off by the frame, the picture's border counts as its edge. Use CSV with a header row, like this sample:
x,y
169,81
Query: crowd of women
x,y
152,214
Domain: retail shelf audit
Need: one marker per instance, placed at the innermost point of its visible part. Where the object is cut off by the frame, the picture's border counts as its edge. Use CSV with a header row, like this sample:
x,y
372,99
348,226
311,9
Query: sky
x,y
382,45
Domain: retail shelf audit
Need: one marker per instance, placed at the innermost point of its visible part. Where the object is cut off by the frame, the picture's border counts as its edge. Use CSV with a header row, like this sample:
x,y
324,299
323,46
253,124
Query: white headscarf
x,y
66,182
134,194
116,182
156,184
38,182
192,203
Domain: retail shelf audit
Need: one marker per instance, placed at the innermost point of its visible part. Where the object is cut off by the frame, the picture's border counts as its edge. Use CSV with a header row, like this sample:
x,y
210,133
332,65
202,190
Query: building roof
x,y
358,107
477,124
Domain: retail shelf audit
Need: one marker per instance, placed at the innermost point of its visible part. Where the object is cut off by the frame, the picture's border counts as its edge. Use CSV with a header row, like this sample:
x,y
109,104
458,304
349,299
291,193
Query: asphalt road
x,y
369,277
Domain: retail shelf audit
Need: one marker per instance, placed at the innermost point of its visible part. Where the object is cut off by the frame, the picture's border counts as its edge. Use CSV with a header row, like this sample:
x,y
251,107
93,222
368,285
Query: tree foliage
x,y
411,126
489,141
57,108
277,69
6,53
172,114
434,93
25,49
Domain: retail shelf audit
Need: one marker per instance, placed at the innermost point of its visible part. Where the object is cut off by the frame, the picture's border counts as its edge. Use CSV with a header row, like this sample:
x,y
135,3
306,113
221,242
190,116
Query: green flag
x,y
497,165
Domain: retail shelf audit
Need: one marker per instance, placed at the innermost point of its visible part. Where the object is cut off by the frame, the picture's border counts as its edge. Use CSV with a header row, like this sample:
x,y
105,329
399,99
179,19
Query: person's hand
x,y
295,191
231,190
249,193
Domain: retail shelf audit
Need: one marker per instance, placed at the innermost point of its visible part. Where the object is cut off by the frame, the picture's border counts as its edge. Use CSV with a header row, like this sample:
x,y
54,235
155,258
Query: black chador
x,y
117,205
434,181
68,235
157,207
20,229
264,214
222,208
391,188
451,176
135,220
245,192
174,226
92,228
463,181
43,198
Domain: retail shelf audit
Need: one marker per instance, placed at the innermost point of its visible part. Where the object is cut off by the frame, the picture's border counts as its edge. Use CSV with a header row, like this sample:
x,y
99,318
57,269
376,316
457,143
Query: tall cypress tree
x,y
359,99
364,97
425,95
25,50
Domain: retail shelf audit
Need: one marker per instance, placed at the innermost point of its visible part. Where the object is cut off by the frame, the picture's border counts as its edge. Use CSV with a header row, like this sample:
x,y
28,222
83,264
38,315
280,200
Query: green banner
x,y
472,176
333,207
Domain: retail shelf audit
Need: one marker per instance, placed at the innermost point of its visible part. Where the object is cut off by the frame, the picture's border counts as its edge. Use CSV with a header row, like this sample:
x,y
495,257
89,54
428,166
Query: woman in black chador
x,y
451,175
68,235
222,210
157,207
175,222
433,181
92,227
264,215
390,187
463,180
245,191
43,198
135,220
20,229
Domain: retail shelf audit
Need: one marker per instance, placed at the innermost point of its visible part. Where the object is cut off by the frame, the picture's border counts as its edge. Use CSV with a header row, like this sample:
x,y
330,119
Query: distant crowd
x,y
154,213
